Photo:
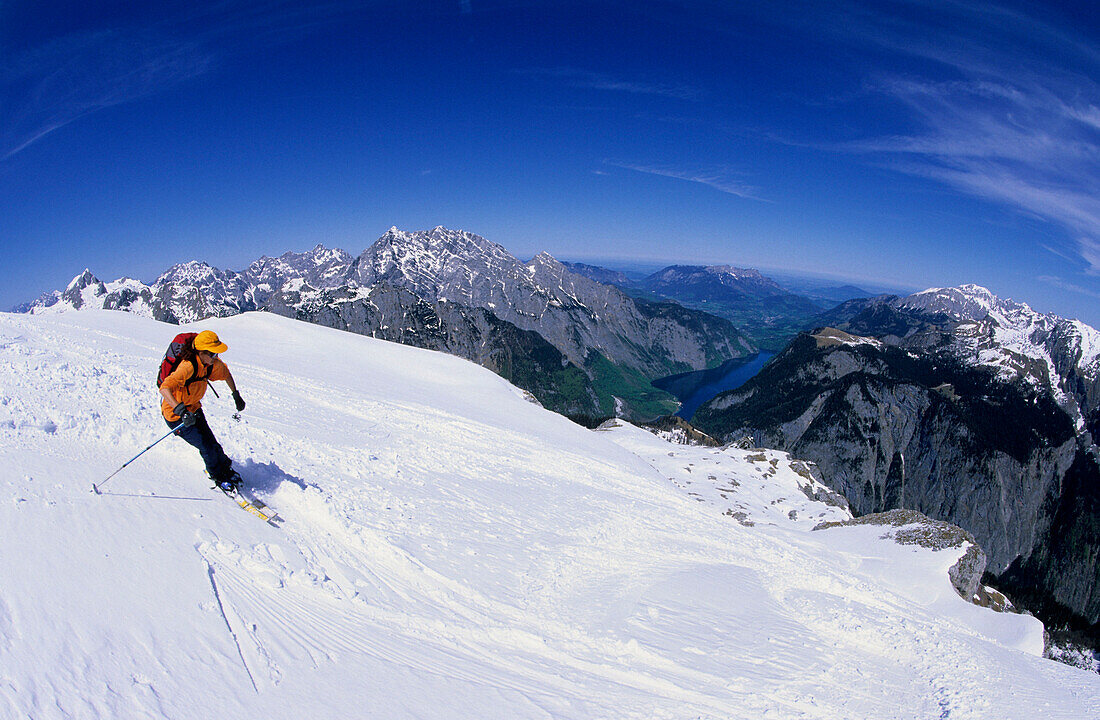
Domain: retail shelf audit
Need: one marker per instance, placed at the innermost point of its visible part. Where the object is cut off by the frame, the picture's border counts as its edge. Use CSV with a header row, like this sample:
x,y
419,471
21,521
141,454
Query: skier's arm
x,y
229,381
174,383
220,371
179,409
224,374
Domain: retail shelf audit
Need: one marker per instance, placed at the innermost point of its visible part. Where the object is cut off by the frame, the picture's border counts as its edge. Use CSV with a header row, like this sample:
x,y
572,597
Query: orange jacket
x,y
190,394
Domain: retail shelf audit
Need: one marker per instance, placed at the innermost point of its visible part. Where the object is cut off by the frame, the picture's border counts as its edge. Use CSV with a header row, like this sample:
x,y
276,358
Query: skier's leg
x,y
201,437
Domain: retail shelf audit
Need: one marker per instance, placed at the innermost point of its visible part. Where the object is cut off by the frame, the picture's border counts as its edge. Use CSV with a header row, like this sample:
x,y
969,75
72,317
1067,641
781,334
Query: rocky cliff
x,y
968,409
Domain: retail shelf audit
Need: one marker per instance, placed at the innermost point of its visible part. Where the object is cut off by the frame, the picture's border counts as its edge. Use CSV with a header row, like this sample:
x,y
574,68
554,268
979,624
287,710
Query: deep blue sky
x,y
909,144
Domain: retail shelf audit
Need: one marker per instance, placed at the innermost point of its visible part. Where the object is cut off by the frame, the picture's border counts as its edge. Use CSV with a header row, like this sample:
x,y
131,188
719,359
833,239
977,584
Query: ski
x,y
264,507
254,506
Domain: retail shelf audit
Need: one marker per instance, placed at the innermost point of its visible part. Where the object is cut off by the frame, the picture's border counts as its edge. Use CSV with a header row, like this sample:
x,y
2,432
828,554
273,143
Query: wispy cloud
x,y
51,86
1017,122
47,87
1066,285
1090,250
721,179
584,79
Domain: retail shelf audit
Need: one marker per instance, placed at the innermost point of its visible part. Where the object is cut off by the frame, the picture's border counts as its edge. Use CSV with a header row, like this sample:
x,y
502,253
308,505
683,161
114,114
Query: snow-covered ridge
x,y
450,550
972,302
827,337
1016,340
1013,323
1088,338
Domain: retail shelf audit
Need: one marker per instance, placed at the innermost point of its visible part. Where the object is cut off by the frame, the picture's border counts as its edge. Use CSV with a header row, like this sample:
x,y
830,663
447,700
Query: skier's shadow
x,y
266,477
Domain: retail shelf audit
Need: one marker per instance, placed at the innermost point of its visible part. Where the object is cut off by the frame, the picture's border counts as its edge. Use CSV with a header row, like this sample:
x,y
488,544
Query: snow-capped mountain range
x,y
979,328
432,281
452,550
576,314
1001,331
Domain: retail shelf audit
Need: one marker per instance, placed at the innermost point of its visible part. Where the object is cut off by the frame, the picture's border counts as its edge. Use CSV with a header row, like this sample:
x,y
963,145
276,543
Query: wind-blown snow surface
x,y
450,551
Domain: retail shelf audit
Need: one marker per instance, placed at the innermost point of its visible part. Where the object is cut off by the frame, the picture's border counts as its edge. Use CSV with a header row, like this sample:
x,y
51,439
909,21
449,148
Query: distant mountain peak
x,y
545,259
322,251
82,281
736,272
713,281
84,289
192,271
974,303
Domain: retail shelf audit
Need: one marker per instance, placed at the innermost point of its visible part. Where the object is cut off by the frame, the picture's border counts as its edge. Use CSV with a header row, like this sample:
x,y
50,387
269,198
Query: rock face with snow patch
x,y
580,346
965,407
907,527
522,357
975,327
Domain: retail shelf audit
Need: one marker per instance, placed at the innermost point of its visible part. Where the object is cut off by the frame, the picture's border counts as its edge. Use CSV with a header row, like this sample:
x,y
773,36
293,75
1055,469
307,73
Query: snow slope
x,y
450,551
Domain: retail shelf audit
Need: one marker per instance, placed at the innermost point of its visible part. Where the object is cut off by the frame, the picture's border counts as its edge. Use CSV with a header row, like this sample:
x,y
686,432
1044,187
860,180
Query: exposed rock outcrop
x,y
908,527
967,408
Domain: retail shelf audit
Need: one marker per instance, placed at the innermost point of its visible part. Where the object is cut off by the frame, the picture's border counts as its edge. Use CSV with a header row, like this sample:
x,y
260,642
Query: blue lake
x,y
695,388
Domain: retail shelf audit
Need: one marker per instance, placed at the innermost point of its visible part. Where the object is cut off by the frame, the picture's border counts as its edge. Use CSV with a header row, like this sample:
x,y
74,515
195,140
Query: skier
x,y
182,391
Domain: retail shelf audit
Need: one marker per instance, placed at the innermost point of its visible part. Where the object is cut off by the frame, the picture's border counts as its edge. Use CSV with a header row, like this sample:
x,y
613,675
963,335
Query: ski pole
x,y
135,457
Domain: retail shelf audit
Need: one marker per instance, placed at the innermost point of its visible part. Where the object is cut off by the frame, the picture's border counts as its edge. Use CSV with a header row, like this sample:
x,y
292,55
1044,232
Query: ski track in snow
x,y
450,550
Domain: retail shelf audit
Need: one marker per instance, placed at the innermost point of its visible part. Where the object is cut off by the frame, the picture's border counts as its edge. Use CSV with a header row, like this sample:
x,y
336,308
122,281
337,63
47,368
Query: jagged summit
x,y
82,280
545,258
433,262
439,237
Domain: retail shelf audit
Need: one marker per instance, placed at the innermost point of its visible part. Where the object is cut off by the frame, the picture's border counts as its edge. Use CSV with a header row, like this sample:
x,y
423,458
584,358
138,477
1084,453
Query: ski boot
x,y
229,484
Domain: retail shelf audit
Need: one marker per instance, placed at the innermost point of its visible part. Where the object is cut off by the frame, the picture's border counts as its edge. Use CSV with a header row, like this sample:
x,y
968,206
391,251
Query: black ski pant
x,y
202,437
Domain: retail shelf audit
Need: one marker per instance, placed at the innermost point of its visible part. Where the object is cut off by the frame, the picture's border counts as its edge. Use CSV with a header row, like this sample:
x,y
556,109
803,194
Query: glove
x,y
239,400
186,416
